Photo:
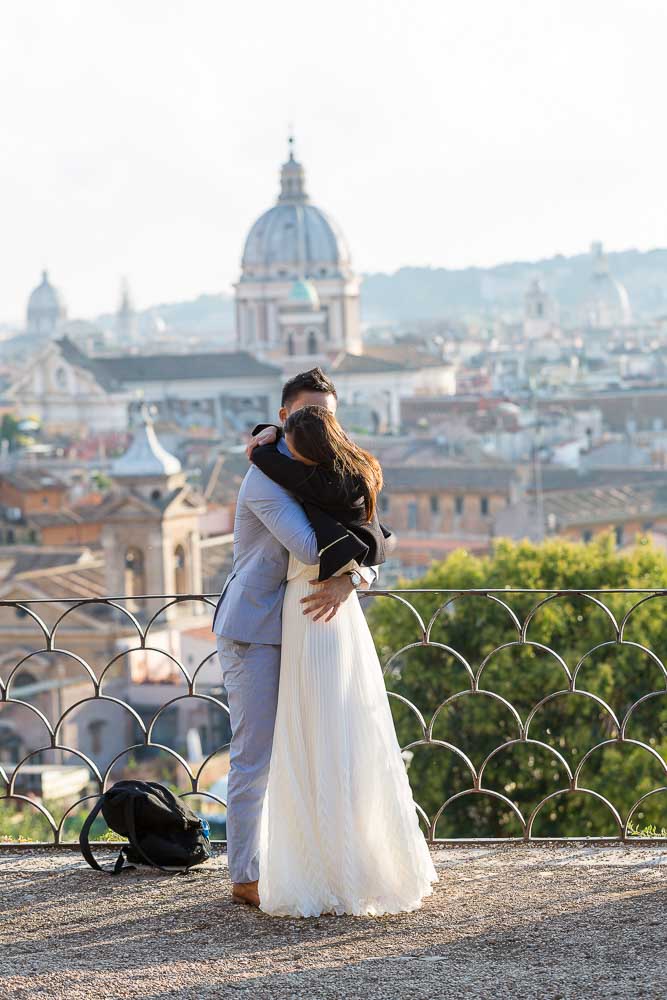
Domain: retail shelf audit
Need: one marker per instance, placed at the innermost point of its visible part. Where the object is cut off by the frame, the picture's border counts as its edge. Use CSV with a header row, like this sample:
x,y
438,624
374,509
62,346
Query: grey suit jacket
x,y
269,524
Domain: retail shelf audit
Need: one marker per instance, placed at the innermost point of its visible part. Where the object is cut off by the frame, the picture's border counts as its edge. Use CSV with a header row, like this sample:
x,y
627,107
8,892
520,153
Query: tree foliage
x,y
481,636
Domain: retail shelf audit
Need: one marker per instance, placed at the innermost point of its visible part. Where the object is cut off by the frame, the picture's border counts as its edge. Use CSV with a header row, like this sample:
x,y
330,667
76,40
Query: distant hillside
x,y
206,314
415,293
423,293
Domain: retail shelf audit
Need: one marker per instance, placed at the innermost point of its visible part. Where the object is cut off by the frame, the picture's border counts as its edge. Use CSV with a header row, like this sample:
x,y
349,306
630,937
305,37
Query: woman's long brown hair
x,y
318,436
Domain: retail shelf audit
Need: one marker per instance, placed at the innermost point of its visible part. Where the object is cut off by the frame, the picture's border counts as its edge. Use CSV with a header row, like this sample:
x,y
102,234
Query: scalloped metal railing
x,y
137,633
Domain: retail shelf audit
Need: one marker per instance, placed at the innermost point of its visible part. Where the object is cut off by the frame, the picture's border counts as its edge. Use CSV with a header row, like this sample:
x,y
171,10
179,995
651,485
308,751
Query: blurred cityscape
x,y
525,401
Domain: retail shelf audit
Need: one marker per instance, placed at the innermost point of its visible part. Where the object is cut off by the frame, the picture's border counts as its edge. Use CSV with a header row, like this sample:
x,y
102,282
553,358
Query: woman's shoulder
x,y
350,488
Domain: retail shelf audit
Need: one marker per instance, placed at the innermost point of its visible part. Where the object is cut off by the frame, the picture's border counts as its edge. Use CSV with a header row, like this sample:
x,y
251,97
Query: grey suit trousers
x,y
250,673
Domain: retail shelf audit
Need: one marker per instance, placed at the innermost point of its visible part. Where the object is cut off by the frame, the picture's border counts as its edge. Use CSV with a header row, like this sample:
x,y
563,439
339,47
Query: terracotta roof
x,y
19,560
81,514
32,480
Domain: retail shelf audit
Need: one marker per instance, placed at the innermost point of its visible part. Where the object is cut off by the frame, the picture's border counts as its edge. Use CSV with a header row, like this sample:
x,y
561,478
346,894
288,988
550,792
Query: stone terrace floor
x,y
545,923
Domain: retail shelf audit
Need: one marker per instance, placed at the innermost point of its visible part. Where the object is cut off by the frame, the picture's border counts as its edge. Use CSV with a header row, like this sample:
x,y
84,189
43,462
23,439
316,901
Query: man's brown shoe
x,y
245,892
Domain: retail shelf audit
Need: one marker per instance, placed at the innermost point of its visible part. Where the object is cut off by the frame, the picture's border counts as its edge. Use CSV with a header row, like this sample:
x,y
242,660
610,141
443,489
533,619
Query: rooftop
x,y
519,922
111,372
29,480
448,477
216,364
603,505
365,364
558,477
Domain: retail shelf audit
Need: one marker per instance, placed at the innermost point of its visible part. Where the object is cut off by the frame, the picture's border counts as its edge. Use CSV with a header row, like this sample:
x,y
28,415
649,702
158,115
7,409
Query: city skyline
x,y
514,135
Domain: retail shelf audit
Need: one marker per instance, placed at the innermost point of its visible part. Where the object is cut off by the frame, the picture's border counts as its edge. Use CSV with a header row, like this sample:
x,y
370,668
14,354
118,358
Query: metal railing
x,y
493,748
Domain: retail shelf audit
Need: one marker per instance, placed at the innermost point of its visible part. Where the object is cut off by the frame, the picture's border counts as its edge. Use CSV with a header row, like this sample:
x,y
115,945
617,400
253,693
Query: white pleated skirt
x,y
339,829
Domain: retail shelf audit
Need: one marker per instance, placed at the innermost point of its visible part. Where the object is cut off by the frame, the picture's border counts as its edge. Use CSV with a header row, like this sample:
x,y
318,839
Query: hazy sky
x,y
142,137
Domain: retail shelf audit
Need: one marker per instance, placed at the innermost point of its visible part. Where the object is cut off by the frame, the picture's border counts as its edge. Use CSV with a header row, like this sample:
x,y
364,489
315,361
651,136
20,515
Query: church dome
x,y
145,458
607,302
294,236
45,307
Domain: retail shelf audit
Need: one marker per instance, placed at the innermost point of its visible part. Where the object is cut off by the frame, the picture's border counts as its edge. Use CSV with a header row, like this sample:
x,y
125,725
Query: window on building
x,y
587,535
458,505
484,506
412,516
180,574
290,344
10,744
135,580
312,342
22,679
435,504
95,730
619,533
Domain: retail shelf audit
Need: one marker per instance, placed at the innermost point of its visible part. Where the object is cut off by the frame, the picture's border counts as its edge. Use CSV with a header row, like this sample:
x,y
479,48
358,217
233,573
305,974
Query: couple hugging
x,y
320,814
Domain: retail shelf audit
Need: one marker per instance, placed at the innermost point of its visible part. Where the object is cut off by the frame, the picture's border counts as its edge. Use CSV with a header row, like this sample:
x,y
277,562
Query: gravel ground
x,y
545,923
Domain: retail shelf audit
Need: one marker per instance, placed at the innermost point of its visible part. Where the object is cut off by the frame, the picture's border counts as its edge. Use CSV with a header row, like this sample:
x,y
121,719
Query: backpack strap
x,y
132,837
84,844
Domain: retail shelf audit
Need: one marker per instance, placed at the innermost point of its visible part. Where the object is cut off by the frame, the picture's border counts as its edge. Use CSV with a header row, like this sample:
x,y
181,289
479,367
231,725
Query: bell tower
x,y
151,534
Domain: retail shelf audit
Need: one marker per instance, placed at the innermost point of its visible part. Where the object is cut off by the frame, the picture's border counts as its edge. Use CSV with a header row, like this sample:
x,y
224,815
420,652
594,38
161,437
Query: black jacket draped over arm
x,y
334,507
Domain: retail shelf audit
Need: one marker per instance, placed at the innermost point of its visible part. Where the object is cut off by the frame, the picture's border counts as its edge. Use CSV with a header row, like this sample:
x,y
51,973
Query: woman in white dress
x,y
339,830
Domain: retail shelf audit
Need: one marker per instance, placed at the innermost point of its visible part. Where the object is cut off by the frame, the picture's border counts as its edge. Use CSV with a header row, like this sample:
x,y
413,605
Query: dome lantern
x,y
292,179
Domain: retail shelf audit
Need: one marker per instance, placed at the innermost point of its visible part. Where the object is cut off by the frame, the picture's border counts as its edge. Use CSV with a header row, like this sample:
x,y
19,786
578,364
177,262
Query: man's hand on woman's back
x,y
327,599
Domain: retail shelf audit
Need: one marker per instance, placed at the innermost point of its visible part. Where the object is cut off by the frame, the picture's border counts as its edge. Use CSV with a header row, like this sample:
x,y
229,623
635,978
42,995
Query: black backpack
x,y
161,829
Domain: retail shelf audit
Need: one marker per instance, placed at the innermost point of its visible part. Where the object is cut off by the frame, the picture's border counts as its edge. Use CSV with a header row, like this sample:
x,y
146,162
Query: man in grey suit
x,y
269,524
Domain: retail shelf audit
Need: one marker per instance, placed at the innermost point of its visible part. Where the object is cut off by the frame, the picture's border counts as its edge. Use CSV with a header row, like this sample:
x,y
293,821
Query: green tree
x,y
518,651
101,481
9,430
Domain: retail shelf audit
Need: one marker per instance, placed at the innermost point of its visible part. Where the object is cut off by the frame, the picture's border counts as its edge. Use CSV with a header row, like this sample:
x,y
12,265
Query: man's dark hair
x,y
313,381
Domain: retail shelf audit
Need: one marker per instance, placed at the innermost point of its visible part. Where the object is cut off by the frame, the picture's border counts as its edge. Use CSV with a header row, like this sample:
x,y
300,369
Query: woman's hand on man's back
x,y
267,436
